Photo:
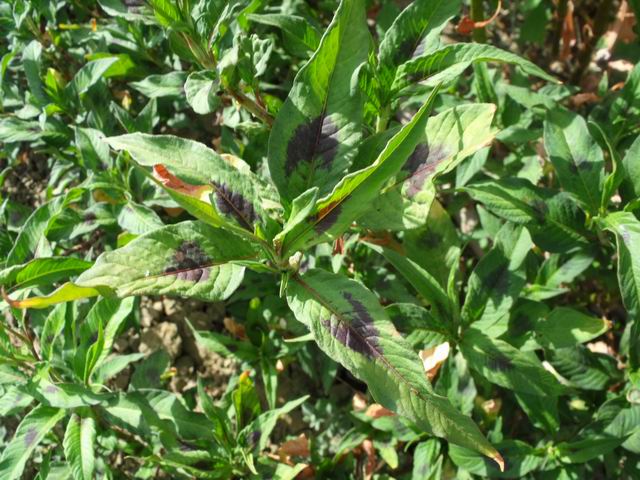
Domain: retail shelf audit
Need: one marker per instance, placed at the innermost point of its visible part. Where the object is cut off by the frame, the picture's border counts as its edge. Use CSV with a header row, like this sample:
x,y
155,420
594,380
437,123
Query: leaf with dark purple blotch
x,y
503,364
188,259
313,138
234,204
449,138
350,326
32,429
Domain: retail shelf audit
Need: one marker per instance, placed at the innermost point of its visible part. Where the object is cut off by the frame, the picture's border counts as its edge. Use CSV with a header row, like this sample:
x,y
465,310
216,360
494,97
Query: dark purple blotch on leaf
x,y
235,204
51,389
316,140
421,164
581,165
521,325
626,236
360,334
540,208
254,438
31,436
430,239
190,263
328,220
498,362
410,48
497,280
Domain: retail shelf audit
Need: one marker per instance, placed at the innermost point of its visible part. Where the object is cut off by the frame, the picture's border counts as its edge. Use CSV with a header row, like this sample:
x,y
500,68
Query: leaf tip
x,y
496,457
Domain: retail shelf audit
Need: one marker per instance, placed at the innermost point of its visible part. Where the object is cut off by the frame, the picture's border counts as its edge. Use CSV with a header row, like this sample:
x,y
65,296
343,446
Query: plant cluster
x,y
425,249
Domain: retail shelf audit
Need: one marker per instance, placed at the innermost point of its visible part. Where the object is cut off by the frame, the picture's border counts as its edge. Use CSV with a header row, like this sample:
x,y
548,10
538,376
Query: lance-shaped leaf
x,y
626,227
313,138
576,156
520,459
41,271
334,213
631,167
448,62
189,259
30,432
300,36
426,285
32,236
498,278
98,332
189,169
566,327
351,327
505,365
449,138
414,32
79,439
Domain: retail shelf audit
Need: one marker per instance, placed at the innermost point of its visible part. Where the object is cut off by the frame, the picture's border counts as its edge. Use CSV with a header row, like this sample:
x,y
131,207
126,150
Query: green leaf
x,y
449,137
426,285
334,213
201,89
514,199
53,326
313,138
631,167
451,60
439,238
166,85
114,364
30,432
217,415
576,156
625,110
78,444
519,457
349,325
90,74
64,395
626,228
138,219
13,130
504,365
42,271
238,195
188,259
427,461
405,39
266,422
33,233
299,34
420,328
31,60
566,327
542,411
14,400
94,152
497,280
585,369
98,332
585,449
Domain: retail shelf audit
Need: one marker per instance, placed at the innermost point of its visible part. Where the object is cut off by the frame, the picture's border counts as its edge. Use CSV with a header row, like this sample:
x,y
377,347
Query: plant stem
x,y
600,23
252,106
556,36
477,15
383,118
